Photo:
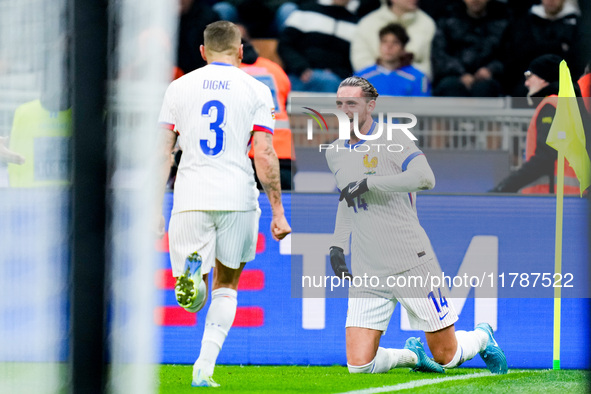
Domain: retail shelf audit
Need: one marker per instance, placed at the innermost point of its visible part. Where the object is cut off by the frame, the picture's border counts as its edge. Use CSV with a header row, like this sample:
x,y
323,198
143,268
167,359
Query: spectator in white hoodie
x,y
419,26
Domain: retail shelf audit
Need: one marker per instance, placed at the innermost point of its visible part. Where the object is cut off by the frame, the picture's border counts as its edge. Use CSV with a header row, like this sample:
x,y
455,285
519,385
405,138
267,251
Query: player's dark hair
x,y
398,30
221,36
366,87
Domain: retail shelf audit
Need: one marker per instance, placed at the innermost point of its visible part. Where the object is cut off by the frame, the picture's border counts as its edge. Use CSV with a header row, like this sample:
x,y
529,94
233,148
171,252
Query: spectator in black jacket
x,y
520,7
538,173
438,9
466,50
194,16
314,46
549,27
260,18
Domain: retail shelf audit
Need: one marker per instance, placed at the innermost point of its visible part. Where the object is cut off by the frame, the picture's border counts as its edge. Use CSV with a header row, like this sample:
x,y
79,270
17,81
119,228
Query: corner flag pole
x,y
567,136
558,253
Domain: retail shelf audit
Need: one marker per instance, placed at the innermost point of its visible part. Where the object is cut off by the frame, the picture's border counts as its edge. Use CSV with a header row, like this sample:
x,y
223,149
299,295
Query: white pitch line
x,y
423,382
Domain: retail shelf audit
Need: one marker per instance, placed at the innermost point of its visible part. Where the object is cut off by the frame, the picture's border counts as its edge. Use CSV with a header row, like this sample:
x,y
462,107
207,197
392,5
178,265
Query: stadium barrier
x,y
456,171
276,325
511,234
443,123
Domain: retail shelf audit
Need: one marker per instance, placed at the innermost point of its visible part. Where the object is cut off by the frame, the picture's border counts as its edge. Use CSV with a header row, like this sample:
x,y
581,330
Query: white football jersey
x,y
386,236
214,110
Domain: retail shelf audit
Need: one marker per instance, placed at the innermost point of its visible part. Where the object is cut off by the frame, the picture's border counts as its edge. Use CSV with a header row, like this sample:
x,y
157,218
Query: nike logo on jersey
x,y
355,186
443,317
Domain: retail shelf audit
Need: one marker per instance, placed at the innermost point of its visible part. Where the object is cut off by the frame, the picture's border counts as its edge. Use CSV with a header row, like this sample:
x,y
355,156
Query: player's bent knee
x,y
443,355
443,360
443,345
360,359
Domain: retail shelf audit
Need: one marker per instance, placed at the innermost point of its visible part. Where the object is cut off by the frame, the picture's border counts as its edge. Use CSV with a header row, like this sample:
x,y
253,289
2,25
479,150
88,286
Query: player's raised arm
x,y
416,176
267,168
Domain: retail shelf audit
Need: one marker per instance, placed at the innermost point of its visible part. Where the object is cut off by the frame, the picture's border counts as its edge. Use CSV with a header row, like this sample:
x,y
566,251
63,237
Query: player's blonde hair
x,y
221,36
368,90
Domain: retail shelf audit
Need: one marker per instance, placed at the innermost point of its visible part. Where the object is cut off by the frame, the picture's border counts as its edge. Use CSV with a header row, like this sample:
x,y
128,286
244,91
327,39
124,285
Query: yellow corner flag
x,y
566,134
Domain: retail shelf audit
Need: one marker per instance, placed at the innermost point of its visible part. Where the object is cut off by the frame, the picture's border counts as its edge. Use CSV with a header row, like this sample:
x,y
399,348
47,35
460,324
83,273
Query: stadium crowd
x,y
464,48
453,48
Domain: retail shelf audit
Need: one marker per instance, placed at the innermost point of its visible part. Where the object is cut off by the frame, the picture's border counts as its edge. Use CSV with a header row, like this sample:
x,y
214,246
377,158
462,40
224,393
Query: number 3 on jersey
x,y
216,112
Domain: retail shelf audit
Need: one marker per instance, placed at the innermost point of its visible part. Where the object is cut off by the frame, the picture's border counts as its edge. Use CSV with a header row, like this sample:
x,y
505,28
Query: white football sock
x,y
382,361
403,358
483,338
385,360
470,343
457,358
367,368
220,317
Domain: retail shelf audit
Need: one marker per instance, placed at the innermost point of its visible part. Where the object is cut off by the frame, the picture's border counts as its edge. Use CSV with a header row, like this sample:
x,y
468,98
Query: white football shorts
x,y
229,236
428,310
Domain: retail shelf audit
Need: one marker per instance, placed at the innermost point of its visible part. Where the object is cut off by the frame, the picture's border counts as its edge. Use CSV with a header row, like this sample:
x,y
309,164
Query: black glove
x,y
337,261
353,190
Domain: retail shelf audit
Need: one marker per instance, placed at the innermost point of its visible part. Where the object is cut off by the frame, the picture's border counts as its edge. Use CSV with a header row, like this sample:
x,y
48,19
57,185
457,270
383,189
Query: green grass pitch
x,y
297,379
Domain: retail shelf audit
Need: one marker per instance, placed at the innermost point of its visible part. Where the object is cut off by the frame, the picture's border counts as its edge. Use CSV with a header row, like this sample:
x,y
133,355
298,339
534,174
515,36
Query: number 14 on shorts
x,y
440,305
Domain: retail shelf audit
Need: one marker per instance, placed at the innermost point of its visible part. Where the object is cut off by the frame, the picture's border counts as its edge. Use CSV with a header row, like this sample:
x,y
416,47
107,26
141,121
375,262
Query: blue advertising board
x,y
512,234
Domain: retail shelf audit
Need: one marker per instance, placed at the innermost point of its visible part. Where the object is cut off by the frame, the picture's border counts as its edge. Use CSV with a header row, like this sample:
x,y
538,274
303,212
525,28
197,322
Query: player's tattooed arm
x,y
267,167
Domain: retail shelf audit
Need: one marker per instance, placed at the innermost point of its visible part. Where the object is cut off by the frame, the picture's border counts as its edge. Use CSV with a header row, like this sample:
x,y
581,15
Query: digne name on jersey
x,y
216,85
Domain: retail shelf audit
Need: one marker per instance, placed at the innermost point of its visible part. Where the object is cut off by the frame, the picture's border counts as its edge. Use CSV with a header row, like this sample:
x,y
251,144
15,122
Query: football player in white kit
x,y
377,208
216,112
